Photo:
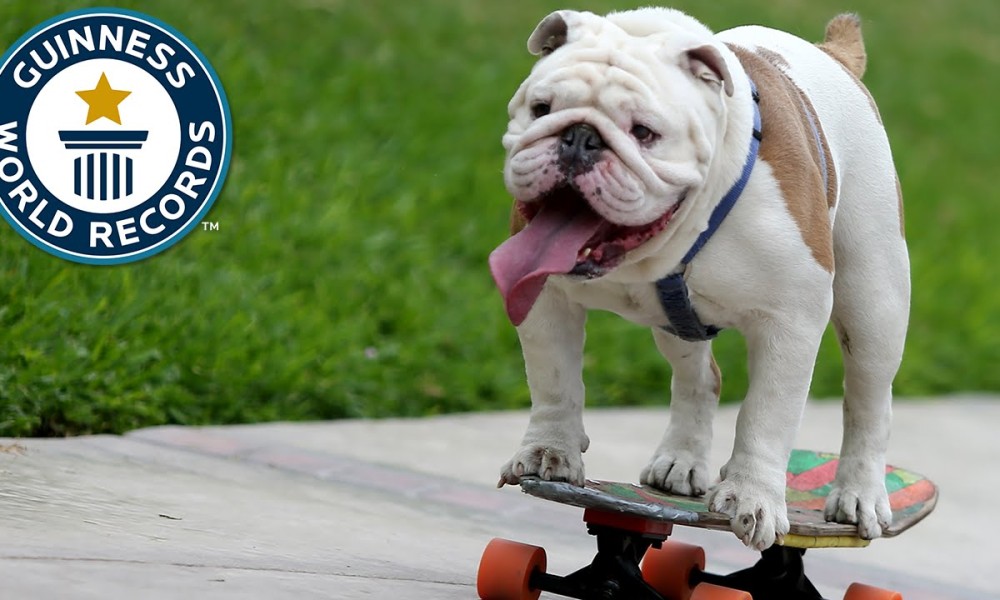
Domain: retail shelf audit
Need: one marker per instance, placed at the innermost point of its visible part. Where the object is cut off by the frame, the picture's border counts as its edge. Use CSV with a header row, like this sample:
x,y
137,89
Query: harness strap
x,y
672,290
684,322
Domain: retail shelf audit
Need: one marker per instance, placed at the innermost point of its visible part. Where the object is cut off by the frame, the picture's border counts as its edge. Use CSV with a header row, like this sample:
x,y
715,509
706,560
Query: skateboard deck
x,y
636,561
808,481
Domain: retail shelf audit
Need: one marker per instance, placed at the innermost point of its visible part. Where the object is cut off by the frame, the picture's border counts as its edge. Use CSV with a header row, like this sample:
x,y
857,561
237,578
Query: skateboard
x,y
636,561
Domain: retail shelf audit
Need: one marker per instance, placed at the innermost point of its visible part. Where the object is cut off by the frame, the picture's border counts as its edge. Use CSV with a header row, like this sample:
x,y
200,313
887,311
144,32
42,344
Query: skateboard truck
x,y
614,574
780,573
622,541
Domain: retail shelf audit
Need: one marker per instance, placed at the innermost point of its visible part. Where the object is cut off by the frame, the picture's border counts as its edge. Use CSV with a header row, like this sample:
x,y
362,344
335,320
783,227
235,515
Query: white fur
x,y
756,275
643,182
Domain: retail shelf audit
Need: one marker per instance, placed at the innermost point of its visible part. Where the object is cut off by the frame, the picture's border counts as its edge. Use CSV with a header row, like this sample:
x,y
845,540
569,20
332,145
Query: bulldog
x,y
689,182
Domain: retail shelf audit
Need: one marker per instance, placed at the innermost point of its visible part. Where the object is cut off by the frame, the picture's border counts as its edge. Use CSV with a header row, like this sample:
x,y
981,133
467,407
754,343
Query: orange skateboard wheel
x,y
505,570
708,591
860,591
668,569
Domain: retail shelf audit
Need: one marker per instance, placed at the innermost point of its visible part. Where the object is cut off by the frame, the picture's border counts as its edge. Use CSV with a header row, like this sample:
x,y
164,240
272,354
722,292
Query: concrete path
x,y
403,508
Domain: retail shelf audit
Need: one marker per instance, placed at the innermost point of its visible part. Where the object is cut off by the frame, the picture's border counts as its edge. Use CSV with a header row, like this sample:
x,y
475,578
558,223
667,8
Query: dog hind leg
x,y
870,314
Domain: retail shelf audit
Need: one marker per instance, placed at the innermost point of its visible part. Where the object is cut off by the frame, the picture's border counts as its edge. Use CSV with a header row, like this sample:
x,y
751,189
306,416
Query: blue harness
x,y
672,289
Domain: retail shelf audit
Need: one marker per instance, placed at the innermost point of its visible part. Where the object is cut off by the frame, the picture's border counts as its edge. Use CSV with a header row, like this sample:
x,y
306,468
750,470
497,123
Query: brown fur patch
x,y
774,58
844,42
831,172
831,180
789,147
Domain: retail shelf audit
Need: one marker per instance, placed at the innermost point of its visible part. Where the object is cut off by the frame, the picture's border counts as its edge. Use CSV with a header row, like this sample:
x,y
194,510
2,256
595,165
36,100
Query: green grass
x,y
349,274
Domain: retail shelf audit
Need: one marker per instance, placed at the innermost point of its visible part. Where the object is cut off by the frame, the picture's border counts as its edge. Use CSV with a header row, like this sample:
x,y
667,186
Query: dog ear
x,y
550,34
707,64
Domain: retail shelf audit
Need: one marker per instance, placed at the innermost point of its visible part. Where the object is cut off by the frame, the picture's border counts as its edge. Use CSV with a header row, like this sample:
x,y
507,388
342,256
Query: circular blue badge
x,y
115,136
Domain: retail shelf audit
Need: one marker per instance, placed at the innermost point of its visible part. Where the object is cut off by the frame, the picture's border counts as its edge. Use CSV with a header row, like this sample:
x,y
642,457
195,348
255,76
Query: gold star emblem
x,y
103,101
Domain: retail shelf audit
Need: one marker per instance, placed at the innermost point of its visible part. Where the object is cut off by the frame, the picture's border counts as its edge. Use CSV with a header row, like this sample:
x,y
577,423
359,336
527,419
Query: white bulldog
x,y
640,188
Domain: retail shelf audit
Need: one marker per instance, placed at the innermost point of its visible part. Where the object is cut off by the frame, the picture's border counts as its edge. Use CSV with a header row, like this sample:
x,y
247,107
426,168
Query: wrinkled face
x,y
612,131
608,137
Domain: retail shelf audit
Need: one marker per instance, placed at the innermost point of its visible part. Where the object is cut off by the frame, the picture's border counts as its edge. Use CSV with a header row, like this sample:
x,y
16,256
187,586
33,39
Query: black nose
x,y
580,145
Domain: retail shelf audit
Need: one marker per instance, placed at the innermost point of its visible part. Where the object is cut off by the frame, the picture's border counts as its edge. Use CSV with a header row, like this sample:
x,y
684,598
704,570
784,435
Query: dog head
x,y
614,128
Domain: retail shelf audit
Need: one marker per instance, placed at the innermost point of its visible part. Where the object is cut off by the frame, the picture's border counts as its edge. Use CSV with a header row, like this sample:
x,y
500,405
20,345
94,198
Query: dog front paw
x,y
677,471
755,506
552,462
859,497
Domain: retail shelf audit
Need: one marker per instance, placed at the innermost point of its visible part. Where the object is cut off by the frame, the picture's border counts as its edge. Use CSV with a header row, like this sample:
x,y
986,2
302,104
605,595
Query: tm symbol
x,y
209,225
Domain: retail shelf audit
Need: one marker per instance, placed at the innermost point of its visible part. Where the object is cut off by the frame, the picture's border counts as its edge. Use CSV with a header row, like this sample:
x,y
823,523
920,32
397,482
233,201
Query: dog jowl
x,y
690,182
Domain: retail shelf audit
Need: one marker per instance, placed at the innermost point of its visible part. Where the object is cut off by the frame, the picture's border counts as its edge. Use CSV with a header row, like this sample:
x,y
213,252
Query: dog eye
x,y
643,134
540,109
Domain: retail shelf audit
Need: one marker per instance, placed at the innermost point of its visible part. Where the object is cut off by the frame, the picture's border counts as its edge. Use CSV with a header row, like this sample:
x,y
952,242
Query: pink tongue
x,y
548,245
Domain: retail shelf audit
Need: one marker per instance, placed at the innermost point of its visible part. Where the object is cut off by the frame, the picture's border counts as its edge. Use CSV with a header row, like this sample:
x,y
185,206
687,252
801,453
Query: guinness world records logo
x,y
115,136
